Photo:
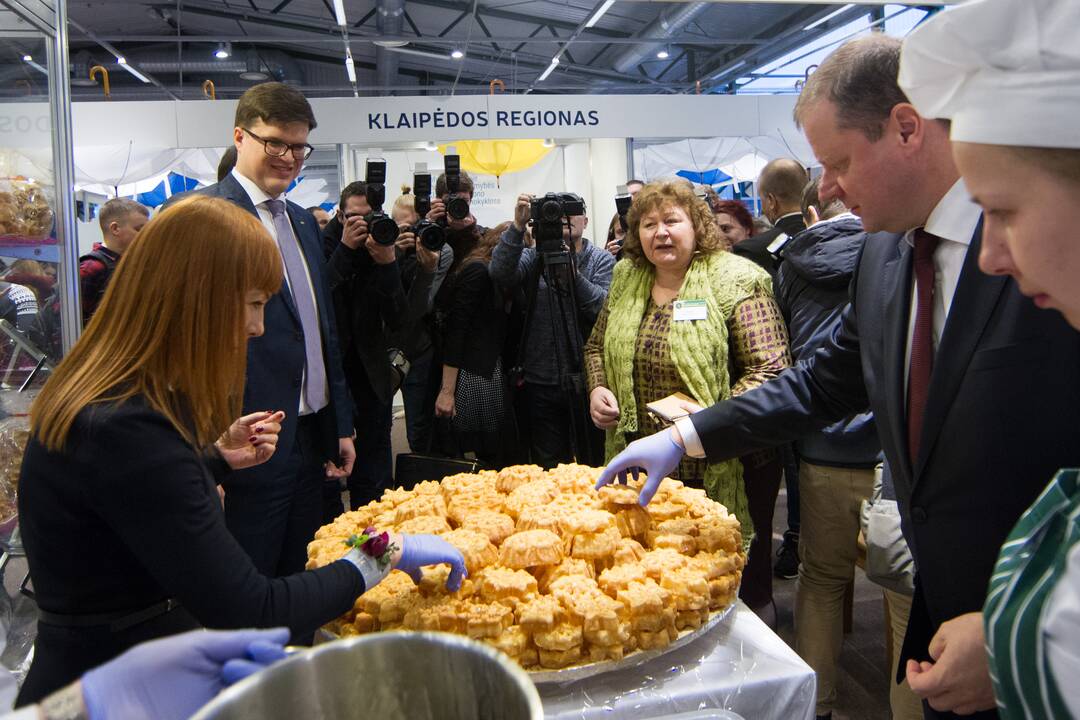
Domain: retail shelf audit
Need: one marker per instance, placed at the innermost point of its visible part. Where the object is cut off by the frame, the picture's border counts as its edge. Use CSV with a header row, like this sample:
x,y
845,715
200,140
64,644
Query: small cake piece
x,y
643,599
573,478
632,521
586,521
420,505
496,525
715,564
596,546
536,492
424,525
617,496
569,566
566,589
487,620
530,549
555,659
501,584
538,517
364,623
512,477
539,613
688,587
390,599
600,653
628,551
564,636
465,504
619,577
513,641
428,487
663,560
397,496
661,509
719,532
683,544
476,548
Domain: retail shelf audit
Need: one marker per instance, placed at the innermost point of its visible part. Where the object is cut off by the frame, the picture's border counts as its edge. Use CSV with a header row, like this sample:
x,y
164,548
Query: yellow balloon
x,y
498,157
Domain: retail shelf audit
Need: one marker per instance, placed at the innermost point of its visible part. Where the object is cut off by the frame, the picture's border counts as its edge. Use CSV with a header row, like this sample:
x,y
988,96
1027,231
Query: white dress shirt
x,y
259,200
954,220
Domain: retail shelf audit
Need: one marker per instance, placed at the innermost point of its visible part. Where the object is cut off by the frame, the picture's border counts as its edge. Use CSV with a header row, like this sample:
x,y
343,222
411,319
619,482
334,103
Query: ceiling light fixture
x,y
829,17
550,68
339,12
549,142
350,69
224,50
457,54
599,13
122,62
28,58
663,53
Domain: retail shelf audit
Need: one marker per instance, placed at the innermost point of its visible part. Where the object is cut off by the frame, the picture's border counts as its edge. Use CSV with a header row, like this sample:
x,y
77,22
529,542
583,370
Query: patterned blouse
x,y
758,347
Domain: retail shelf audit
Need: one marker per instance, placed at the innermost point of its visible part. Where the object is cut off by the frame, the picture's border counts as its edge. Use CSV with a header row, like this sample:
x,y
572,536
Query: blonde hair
x,y
170,326
677,193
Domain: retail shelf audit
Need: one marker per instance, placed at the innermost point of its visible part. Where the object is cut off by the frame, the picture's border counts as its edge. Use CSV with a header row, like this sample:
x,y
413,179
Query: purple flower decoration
x,y
377,543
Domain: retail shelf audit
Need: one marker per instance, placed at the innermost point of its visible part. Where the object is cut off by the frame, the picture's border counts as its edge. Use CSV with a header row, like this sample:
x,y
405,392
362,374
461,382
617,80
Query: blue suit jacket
x,y
275,361
1002,413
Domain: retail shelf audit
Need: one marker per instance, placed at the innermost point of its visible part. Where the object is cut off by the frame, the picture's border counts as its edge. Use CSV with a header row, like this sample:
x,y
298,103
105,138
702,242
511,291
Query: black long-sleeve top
x,y
128,515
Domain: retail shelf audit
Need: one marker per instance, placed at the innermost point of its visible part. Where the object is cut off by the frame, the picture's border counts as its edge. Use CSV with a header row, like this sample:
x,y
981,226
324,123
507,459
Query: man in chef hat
x,y
1006,74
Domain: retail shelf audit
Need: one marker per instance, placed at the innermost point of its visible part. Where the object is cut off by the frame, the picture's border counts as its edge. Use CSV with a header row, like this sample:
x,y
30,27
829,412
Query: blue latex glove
x,y
173,677
420,550
657,455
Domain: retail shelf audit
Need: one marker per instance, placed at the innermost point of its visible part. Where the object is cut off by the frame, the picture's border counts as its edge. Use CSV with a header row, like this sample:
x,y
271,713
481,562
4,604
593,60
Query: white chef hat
x,y
1005,72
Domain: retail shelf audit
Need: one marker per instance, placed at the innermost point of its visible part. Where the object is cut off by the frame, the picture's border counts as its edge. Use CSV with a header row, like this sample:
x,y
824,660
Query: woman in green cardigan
x,y
684,316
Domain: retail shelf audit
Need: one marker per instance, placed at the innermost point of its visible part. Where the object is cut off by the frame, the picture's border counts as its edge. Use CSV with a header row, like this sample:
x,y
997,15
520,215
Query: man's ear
x,y
905,120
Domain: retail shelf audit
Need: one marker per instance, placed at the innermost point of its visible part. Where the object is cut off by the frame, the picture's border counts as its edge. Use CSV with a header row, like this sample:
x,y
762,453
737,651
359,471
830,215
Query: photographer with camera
x,y
544,357
370,303
424,258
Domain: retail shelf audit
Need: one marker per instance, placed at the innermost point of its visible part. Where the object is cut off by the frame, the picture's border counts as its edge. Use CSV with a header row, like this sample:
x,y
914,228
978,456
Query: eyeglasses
x,y
276,148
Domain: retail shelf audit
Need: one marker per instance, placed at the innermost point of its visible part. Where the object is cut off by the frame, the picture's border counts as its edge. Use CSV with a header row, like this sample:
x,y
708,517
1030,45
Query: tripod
x,y
558,270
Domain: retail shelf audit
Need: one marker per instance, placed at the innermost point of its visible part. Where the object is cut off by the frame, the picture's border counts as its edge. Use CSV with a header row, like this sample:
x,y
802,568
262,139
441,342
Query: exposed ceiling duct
x,y
389,20
671,21
250,65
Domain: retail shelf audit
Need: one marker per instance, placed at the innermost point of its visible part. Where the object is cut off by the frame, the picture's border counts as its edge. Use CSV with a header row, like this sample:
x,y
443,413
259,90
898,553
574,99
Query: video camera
x,y
623,200
431,235
550,214
456,202
381,226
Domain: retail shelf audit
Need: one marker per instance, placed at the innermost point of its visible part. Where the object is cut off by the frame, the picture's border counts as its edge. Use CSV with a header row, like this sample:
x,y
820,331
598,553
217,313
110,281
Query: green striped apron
x,y
1031,562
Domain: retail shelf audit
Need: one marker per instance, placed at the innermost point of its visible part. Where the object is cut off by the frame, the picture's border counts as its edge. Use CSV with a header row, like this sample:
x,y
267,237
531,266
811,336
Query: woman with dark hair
x,y
123,526
734,220
472,395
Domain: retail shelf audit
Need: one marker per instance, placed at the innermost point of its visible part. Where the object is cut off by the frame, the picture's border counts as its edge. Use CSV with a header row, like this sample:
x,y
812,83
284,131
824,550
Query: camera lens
x,y
431,236
383,229
457,207
551,211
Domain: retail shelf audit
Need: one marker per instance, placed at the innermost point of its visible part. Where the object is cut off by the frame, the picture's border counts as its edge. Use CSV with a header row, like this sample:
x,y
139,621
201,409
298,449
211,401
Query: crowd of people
x,y
886,338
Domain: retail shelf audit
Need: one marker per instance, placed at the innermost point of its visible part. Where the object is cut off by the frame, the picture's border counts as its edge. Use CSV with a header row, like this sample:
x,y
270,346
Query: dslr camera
x,y
431,235
381,226
456,202
550,215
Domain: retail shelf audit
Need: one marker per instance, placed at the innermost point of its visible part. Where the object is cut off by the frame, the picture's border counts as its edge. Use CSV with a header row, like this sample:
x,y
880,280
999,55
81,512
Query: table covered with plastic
x,y
740,665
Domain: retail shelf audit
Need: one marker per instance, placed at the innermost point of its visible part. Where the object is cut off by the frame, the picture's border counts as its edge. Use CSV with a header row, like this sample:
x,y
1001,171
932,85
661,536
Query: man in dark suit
x,y
273,510
974,390
780,187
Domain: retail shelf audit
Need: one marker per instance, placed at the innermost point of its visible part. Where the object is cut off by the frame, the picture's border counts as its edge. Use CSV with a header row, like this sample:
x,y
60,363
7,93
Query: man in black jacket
x,y
780,187
370,303
836,472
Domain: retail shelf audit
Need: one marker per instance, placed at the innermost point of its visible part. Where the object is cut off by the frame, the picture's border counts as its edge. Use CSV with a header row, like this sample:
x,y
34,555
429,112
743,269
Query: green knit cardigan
x,y
699,350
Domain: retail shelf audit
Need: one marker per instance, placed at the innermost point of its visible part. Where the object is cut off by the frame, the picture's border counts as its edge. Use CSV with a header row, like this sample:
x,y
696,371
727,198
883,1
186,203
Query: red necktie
x,y
922,340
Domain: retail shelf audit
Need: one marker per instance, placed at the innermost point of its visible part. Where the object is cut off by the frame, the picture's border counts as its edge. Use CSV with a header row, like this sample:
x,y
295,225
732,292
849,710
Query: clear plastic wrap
x,y
740,666
26,215
14,432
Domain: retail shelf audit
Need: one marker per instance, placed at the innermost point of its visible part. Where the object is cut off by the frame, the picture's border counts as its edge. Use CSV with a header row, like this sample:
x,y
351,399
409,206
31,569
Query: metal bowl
x,y
390,676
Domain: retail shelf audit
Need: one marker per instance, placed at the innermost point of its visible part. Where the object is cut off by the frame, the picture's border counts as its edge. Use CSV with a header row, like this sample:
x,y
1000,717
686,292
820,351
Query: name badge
x,y
689,310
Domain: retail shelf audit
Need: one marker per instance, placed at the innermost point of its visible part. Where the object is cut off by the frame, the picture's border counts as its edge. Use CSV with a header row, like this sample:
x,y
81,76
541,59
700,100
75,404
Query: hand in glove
x,y
420,550
658,455
173,677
